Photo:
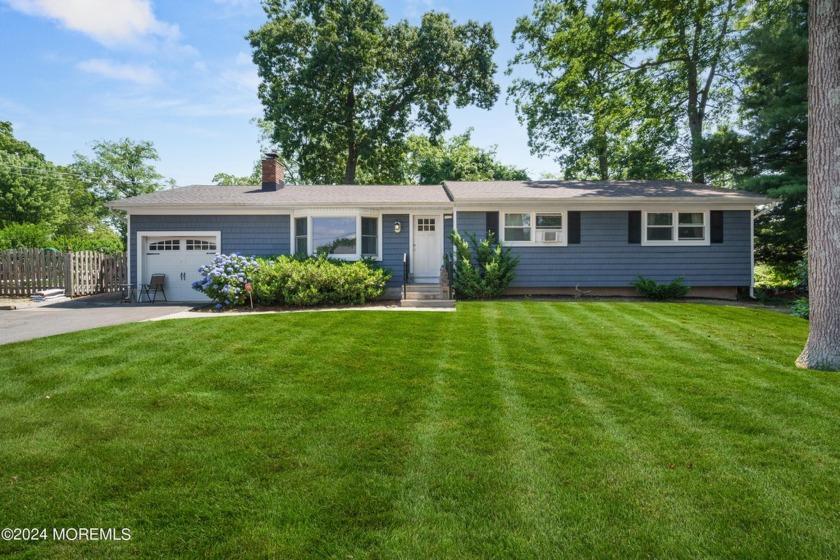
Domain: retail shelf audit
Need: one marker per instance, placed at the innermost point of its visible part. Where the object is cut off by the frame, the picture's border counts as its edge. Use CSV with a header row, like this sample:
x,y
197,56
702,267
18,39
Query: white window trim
x,y
675,225
564,237
358,215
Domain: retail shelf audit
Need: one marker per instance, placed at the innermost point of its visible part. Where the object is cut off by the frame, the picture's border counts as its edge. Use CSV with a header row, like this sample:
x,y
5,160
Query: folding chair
x,y
154,286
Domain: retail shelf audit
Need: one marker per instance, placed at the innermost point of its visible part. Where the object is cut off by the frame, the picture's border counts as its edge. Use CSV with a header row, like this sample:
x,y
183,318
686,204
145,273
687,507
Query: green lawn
x,y
513,429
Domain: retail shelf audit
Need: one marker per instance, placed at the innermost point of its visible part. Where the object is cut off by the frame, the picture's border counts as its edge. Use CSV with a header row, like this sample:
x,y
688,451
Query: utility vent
x,y
550,236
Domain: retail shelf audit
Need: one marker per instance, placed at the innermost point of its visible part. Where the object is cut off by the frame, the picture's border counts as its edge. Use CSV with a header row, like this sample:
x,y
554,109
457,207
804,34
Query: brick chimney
x,y
272,173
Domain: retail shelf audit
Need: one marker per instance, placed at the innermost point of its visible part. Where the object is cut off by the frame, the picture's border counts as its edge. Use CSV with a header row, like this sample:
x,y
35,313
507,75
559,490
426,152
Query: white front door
x,y
178,258
428,248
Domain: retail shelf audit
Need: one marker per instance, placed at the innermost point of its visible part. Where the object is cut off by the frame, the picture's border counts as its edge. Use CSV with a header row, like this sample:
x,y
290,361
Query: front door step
x,y
427,303
426,295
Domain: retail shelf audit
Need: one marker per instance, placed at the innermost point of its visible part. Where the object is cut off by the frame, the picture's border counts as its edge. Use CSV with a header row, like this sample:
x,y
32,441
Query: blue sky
x,y
179,73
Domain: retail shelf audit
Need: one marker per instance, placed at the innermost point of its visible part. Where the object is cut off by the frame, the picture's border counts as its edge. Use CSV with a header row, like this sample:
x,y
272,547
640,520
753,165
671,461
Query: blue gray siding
x,y
447,240
395,245
248,235
604,258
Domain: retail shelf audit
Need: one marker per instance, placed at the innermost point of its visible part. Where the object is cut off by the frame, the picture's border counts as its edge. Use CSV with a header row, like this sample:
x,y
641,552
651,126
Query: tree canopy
x,y
430,163
775,112
342,88
579,104
32,190
625,88
119,169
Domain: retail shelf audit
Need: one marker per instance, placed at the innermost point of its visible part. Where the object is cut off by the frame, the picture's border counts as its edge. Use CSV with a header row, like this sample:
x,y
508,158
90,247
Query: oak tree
x,y
455,159
822,350
343,88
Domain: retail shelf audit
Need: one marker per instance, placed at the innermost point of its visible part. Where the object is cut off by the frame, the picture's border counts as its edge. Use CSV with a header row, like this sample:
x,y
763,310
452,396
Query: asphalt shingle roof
x,y
480,191
429,195
289,195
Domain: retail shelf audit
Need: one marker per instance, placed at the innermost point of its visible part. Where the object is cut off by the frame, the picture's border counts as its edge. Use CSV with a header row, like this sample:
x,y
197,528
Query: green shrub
x,y
802,273
483,269
801,308
25,236
651,289
104,239
317,281
40,236
770,277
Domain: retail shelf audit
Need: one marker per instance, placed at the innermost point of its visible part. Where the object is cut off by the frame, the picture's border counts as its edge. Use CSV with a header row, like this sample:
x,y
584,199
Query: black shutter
x,y
492,223
574,227
716,226
634,227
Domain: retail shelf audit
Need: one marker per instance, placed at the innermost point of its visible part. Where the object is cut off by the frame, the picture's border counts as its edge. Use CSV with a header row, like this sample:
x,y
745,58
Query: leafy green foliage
x,y
25,236
102,239
802,273
579,105
119,169
342,88
40,236
651,289
483,268
616,80
801,308
433,162
32,190
228,179
770,277
314,281
775,111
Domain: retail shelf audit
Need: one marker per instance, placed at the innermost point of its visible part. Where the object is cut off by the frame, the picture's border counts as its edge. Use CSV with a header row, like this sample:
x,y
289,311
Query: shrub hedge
x,y
649,288
303,282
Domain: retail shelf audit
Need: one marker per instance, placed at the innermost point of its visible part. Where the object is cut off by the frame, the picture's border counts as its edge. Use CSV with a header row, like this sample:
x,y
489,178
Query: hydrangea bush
x,y
224,279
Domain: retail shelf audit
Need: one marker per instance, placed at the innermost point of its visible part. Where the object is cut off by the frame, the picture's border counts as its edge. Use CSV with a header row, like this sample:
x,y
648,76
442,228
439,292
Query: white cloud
x,y
126,72
110,22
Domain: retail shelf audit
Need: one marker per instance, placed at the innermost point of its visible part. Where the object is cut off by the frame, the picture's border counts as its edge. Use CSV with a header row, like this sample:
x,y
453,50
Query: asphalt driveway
x,y
46,319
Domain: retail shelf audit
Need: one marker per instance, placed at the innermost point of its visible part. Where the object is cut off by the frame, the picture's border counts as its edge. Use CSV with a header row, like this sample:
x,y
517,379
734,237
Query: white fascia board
x,y
196,210
601,205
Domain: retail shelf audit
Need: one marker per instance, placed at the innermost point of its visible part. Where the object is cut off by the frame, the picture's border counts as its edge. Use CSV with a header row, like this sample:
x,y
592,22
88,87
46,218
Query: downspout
x,y
752,248
128,254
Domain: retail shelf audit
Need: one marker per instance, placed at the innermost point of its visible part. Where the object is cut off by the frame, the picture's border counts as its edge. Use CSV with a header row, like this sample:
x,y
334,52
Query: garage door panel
x,y
179,259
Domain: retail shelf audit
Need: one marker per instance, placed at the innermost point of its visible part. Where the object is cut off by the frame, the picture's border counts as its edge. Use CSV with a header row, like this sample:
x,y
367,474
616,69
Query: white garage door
x,y
178,258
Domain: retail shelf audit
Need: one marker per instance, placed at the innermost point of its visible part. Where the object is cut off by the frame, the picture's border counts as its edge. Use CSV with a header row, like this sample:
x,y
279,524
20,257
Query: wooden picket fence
x,y
26,271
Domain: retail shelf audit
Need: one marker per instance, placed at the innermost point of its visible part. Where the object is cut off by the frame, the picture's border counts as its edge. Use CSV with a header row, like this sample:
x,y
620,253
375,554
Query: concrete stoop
x,y
426,295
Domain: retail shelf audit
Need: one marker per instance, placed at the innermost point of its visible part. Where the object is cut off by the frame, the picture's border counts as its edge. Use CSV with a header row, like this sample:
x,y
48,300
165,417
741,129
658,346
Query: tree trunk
x,y
695,125
352,148
822,351
352,160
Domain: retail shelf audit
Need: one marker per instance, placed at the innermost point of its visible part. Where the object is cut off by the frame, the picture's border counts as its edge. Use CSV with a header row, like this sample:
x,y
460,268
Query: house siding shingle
x,y
604,258
249,235
394,246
